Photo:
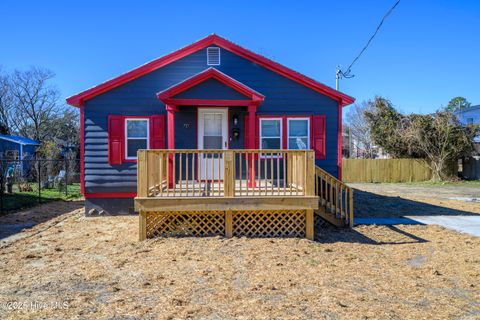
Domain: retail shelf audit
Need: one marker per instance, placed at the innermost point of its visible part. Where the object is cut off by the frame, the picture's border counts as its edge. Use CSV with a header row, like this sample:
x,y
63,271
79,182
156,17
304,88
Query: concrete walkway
x,y
465,224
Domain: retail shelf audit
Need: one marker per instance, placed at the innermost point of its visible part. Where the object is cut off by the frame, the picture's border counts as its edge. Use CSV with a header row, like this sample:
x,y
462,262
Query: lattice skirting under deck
x,y
190,223
261,223
285,223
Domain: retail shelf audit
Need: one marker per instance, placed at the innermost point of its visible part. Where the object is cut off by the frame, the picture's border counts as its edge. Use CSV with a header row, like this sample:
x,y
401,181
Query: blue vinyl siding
x,y
138,98
186,128
211,89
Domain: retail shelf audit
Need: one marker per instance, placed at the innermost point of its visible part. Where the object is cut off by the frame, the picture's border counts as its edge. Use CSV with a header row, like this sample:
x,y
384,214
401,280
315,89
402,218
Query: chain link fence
x,y
25,183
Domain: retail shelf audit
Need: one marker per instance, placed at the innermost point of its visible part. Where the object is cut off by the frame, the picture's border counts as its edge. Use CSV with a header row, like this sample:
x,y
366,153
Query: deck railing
x,y
334,195
225,173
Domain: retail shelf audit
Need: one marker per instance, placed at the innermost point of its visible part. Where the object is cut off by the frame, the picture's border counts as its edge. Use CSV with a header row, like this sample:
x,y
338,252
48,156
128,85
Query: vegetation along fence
x,y
385,170
24,183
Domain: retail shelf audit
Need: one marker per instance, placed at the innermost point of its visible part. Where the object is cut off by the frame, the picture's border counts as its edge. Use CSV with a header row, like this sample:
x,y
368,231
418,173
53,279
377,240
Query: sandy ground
x,y
398,200
69,266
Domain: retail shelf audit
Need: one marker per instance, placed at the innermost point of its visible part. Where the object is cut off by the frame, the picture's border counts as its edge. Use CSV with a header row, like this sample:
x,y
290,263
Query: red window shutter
x,y
116,130
318,136
157,131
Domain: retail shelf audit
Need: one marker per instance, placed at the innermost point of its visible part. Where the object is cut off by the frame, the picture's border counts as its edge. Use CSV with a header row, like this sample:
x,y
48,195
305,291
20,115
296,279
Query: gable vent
x,y
213,56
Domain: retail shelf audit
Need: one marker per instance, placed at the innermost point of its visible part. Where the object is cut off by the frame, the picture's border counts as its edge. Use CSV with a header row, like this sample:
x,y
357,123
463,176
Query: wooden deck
x,y
235,192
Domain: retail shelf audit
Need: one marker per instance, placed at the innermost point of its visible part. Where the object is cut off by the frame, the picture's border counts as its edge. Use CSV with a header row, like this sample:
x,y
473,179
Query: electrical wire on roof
x,y
347,74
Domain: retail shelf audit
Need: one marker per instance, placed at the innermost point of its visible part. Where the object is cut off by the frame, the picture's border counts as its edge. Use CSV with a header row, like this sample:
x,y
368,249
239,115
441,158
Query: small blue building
x,y
20,147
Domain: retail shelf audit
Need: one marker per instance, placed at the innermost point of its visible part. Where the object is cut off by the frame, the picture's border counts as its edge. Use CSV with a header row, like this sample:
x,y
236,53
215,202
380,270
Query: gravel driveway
x,y
399,200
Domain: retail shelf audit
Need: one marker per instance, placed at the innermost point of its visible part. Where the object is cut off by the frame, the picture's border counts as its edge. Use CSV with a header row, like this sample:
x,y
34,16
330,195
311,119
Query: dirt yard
x,y
398,199
69,266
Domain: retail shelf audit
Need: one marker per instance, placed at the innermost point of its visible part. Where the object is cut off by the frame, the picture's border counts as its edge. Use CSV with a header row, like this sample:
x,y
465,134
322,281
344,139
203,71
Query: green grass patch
x,y
21,200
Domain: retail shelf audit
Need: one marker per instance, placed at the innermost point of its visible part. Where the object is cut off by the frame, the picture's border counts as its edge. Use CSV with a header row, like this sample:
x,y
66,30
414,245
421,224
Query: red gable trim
x,y
210,73
209,103
79,99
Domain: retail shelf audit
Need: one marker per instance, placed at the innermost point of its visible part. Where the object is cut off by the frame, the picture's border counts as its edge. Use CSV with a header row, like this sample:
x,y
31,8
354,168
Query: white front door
x,y
212,134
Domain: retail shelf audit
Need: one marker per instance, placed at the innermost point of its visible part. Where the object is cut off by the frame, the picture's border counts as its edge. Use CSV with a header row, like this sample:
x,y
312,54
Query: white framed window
x,y
298,133
137,136
271,130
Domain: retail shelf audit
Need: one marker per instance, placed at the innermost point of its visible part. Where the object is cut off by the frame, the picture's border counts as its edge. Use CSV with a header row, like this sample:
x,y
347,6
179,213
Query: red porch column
x,y
252,114
171,109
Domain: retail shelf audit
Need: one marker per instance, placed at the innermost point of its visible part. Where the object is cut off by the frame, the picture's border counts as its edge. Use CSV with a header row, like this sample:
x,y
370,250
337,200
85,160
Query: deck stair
x,y
335,199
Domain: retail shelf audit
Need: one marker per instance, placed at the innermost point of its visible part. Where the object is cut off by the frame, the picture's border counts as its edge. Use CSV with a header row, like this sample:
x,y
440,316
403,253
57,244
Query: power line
x,y
347,73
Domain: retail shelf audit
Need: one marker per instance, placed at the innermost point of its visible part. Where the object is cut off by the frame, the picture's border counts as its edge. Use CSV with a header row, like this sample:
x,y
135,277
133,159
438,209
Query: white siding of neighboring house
x,y
470,115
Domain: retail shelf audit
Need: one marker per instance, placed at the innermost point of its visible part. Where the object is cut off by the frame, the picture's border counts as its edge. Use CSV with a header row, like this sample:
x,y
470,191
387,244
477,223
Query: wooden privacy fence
x,y
385,170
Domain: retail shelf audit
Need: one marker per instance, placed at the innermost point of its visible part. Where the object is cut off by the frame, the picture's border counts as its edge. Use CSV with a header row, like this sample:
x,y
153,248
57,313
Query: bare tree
x,y
7,104
441,139
36,102
359,127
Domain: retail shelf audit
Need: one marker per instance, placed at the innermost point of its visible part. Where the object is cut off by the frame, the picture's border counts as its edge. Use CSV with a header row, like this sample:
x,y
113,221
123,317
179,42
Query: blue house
x,y
210,101
19,147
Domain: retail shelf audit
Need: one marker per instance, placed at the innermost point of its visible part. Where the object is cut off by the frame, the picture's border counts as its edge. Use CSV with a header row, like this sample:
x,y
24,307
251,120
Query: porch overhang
x,y
252,97
172,100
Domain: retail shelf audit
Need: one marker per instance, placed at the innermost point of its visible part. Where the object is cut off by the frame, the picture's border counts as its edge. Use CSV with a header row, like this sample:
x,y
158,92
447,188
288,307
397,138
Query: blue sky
x,y
427,52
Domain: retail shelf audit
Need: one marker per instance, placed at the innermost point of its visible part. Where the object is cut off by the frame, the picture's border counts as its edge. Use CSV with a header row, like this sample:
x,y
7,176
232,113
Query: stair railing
x,y
334,195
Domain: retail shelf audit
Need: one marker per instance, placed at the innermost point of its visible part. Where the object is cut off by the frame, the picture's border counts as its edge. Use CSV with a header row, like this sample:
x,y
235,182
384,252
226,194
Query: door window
x,y
212,138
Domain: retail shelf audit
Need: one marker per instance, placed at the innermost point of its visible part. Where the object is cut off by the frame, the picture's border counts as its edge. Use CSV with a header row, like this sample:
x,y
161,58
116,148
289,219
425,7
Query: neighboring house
x,y
471,165
212,94
17,148
353,149
469,116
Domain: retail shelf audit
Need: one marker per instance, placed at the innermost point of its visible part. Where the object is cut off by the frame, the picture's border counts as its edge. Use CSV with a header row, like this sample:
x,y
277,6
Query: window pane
x,y
270,128
298,128
213,124
137,128
298,143
210,142
133,145
270,143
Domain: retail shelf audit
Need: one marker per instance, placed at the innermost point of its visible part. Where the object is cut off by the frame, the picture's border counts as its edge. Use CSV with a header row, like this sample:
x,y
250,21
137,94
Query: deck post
x,y
310,173
350,208
142,180
309,232
142,226
228,223
229,174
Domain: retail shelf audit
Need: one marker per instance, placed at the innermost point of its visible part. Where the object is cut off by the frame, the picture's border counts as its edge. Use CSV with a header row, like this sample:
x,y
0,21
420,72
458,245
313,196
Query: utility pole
x,y
338,76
